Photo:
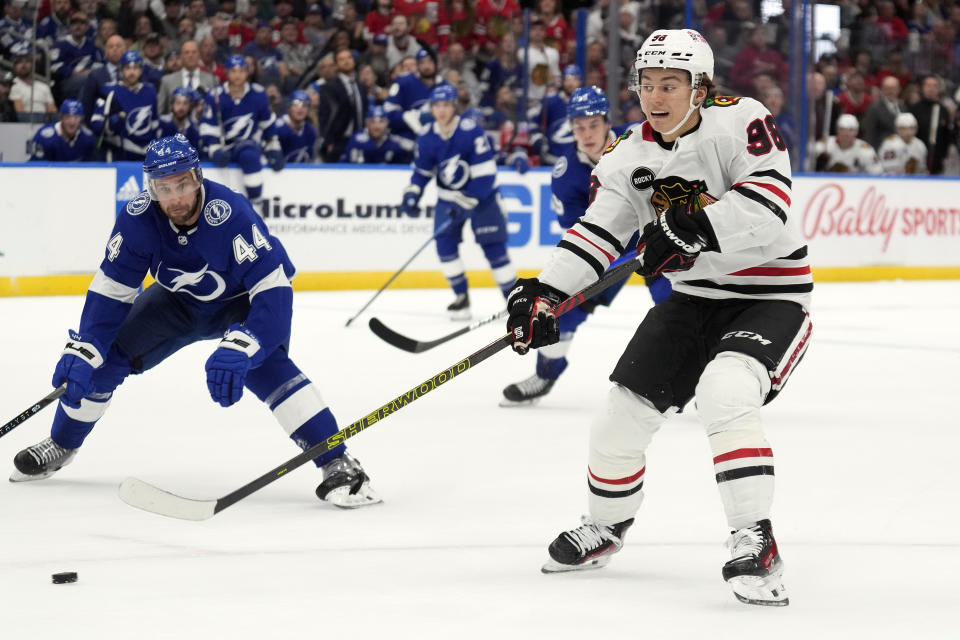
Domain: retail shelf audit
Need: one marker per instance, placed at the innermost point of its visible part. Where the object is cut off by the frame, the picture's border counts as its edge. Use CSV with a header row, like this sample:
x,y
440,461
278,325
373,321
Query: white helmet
x,y
676,49
905,119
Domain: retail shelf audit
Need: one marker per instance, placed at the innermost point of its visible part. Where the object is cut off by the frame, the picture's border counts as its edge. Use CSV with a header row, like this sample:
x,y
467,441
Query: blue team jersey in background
x,y
297,146
49,144
463,162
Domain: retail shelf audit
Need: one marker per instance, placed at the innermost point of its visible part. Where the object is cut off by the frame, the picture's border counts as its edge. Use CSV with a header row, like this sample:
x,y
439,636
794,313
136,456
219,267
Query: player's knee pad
x,y
623,429
248,159
91,408
731,391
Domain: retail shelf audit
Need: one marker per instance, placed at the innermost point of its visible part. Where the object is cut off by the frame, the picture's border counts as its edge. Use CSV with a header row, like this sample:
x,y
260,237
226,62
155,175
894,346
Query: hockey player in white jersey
x,y
707,180
845,152
903,153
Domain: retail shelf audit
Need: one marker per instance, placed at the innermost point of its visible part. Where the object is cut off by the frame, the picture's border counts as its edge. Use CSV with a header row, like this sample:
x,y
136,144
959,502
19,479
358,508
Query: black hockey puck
x,y
65,578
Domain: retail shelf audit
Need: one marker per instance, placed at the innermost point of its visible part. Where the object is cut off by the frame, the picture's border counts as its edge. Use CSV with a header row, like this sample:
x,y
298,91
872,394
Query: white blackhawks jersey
x,y
736,165
859,157
897,156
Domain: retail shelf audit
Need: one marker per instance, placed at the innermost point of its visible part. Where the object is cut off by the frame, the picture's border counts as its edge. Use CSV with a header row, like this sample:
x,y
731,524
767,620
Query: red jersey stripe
x,y
772,271
626,480
769,187
743,453
610,258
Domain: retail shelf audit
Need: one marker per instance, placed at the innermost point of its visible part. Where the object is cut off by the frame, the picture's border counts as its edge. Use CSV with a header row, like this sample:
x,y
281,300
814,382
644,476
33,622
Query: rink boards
x,y
341,227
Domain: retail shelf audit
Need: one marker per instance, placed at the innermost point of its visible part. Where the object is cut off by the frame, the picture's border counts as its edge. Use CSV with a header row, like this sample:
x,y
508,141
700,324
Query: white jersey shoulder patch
x,y
216,212
139,204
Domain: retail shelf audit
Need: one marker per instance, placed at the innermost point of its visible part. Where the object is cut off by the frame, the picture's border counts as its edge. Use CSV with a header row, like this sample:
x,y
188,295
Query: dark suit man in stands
x,y
878,122
104,72
189,75
342,108
933,123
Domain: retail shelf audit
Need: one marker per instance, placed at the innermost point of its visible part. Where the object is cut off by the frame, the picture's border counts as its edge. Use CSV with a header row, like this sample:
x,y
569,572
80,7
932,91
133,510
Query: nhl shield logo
x,y
216,212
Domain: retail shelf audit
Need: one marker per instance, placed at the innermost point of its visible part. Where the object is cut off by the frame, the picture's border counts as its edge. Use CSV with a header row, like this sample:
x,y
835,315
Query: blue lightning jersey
x,y
14,31
297,146
140,122
408,92
67,56
247,118
463,162
362,149
227,253
556,126
168,127
50,145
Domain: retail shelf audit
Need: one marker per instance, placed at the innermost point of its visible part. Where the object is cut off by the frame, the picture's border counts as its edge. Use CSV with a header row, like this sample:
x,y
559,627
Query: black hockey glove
x,y
673,241
530,305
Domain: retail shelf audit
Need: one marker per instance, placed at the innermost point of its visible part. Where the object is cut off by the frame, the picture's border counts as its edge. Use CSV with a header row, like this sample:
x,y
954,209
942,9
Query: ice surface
x,y
866,436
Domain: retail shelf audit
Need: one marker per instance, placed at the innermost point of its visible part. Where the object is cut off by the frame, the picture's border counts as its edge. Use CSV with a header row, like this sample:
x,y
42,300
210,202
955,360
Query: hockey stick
x,y
33,410
442,228
143,495
412,345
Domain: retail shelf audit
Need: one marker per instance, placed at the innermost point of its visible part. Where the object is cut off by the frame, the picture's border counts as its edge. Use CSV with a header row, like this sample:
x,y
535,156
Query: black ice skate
x,y
40,461
527,391
755,568
589,546
459,309
345,484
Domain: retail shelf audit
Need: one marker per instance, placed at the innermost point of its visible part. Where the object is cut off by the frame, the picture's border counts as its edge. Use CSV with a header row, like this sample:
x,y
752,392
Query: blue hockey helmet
x,y
184,92
572,70
130,56
377,111
236,60
443,92
300,96
71,108
588,101
170,156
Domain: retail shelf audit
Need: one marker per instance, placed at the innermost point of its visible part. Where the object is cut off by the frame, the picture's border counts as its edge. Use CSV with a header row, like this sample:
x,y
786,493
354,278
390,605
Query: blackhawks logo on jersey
x,y
623,136
672,190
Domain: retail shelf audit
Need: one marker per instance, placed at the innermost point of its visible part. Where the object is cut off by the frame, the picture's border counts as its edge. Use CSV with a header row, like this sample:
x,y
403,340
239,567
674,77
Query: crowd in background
x,y
884,101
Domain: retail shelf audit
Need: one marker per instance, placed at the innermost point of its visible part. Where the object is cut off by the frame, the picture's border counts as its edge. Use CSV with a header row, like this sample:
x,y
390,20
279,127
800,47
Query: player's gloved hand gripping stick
x,y
145,496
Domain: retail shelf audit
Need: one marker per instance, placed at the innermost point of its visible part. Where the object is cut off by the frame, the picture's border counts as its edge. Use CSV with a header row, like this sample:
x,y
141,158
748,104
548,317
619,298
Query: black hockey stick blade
x,y
143,495
411,345
35,408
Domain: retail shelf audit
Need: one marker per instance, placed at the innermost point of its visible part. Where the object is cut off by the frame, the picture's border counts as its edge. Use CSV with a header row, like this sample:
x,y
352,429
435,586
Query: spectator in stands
x,y
375,144
326,71
558,34
186,32
8,113
724,53
189,75
596,69
933,123
267,57
25,87
314,28
461,16
503,70
352,25
342,108
209,62
400,43
845,153
153,60
73,57
284,11
378,19
220,34
894,30
197,11
902,153
243,26
104,72
374,93
856,99
376,57
429,21
826,109
544,63
14,27
296,56
894,66
456,59
878,122
757,56
297,135
64,141
492,21
181,116
773,100
172,12
56,25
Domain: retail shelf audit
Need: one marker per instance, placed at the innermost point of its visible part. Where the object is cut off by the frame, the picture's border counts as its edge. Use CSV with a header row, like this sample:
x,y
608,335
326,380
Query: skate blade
x,y
16,476
342,498
460,315
552,566
508,404
759,591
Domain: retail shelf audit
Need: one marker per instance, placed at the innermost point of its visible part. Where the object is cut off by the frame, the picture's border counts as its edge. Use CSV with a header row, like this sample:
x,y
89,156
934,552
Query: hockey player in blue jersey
x,y
238,126
67,140
375,144
457,152
297,135
587,112
180,119
554,124
126,111
219,274
407,104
